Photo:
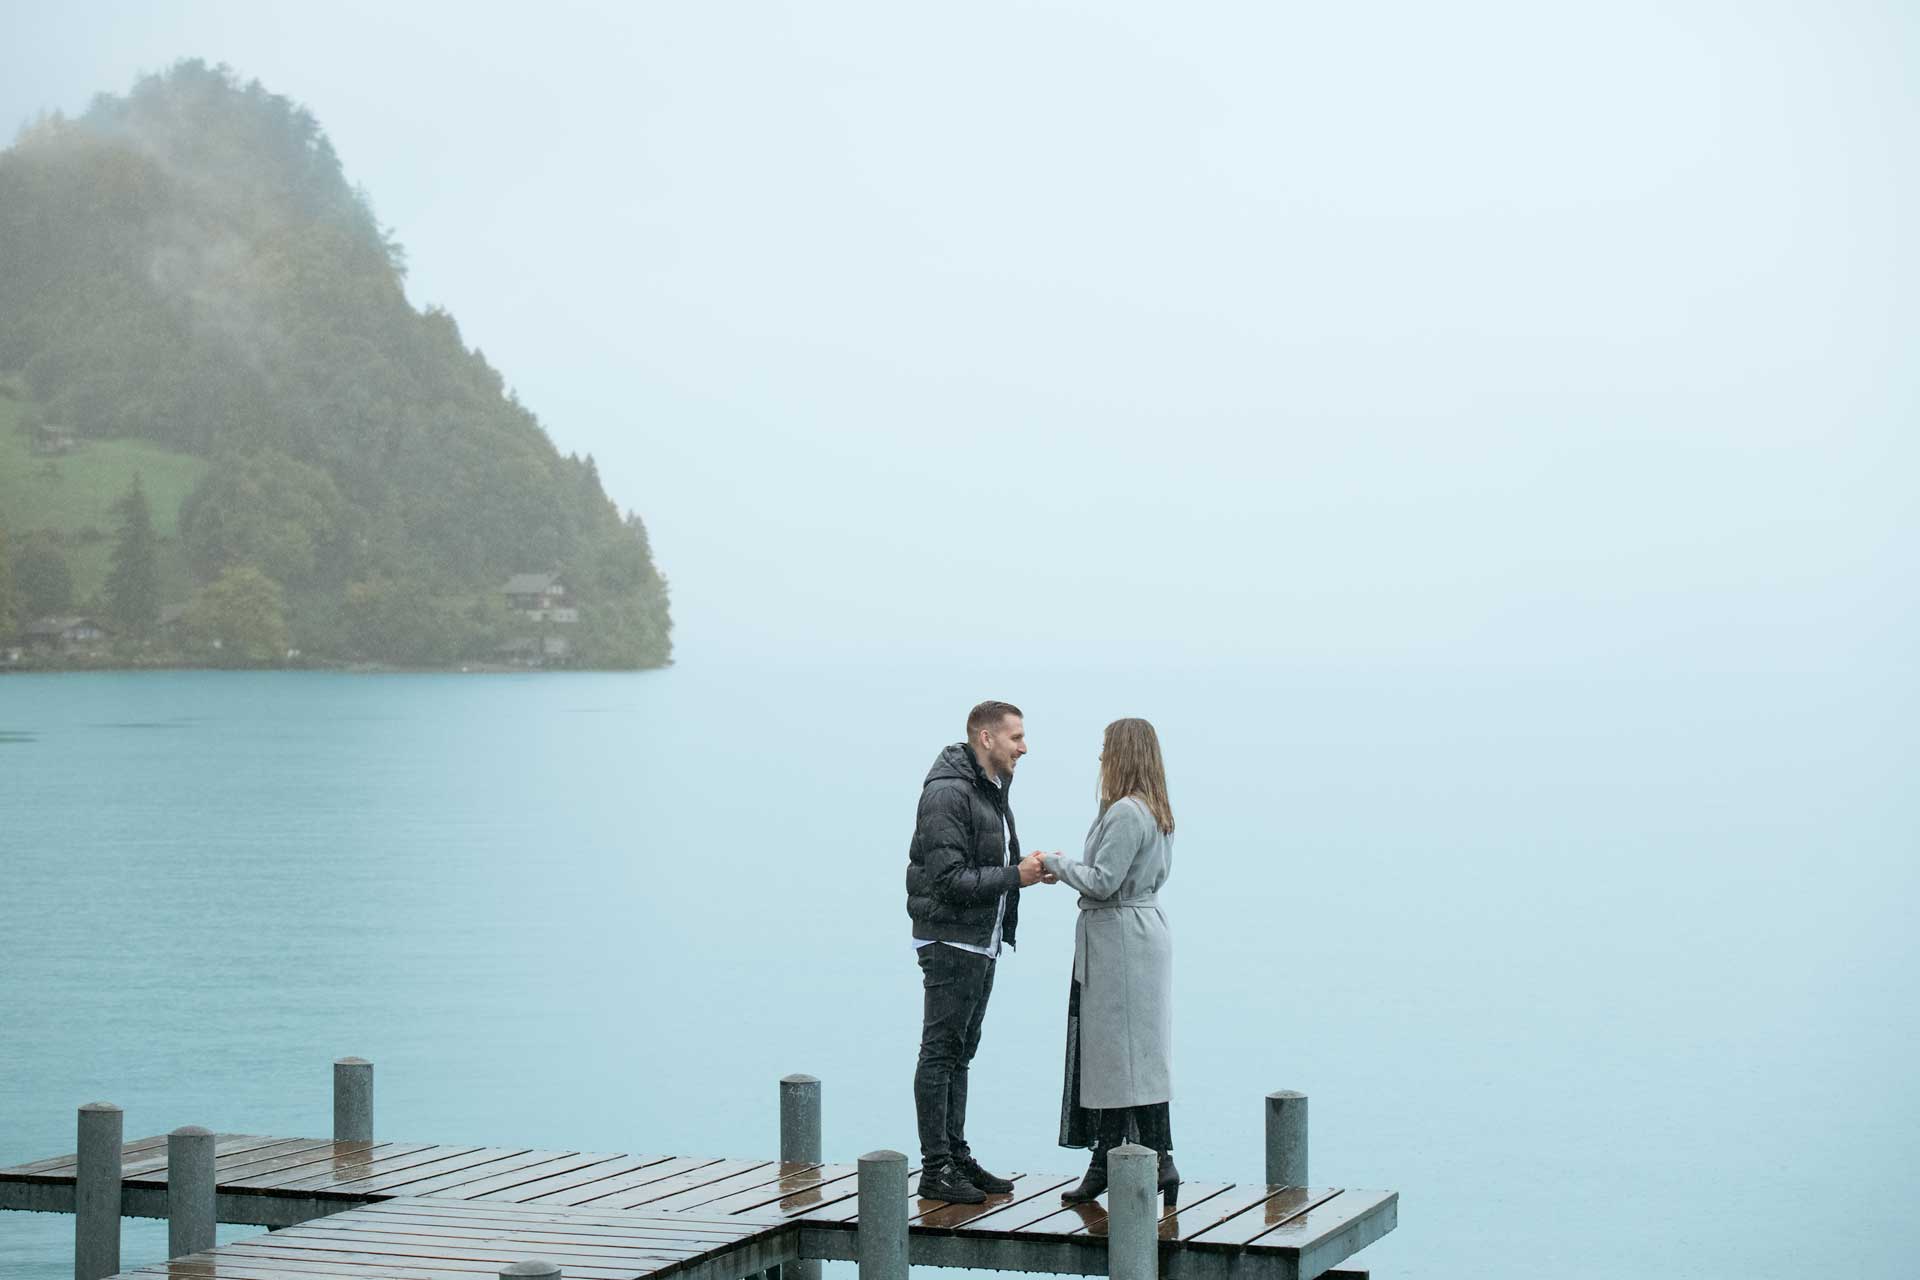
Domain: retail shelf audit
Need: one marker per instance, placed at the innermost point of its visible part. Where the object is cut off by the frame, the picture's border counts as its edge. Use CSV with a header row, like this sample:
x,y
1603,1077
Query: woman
x,y
1120,1010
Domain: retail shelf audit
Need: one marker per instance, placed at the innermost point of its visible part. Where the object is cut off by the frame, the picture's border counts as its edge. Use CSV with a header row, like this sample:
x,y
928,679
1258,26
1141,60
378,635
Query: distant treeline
x,y
186,267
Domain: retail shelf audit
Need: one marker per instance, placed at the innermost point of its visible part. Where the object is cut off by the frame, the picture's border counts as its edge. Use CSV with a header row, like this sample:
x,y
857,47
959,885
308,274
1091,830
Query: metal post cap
x,y
1286,1093
191,1131
351,1062
530,1267
799,1079
101,1106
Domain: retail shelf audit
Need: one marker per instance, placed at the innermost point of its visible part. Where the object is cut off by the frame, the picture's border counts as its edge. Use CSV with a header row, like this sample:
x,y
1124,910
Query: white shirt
x,y
992,950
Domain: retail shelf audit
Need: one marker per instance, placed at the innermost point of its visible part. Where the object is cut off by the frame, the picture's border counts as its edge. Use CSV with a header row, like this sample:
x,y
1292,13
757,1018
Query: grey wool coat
x,y
1123,958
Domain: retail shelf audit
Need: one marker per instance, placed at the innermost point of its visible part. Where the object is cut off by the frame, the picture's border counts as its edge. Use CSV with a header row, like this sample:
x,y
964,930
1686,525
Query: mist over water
x,y
1549,956
1486,335
1480,439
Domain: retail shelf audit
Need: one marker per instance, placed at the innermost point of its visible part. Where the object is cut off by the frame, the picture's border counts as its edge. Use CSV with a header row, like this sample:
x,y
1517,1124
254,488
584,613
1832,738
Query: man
x,y
964,876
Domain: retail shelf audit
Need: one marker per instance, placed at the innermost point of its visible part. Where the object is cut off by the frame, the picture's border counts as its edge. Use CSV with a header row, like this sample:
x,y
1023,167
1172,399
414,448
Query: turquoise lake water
x,y
1609,975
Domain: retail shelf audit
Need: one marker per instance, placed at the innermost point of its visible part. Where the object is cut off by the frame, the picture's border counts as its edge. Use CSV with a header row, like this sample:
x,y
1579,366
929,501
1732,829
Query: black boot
x,y
1169,1179
1094,1185
991,1183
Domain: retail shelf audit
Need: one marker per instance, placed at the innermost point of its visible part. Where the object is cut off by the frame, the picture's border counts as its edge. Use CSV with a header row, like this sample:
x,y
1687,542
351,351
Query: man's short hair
x,y
988,715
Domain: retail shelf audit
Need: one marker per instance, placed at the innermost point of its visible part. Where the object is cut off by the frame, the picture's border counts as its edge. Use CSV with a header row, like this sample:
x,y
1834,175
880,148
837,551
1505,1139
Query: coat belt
x,y
1112,904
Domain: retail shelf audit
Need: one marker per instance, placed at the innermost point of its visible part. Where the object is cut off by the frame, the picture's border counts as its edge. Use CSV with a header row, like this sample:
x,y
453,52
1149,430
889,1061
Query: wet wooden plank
x,y
787,1187
216,1266
1062,1220
848,1210
1194,1199
401,1179
487,1259
644,1196
610,1248
1284,1204
373,1237
504,1211
1323,1219
1028,1189
492,1184
756,1180
810,1201
294,1152
1042,1201
338,1162
69,1162
353,1180
227,1269
240,1152
1204,1204
1053,1219
1210,1213
152,1166
602,1187
508,1160
555,1183
422,1223
482,1260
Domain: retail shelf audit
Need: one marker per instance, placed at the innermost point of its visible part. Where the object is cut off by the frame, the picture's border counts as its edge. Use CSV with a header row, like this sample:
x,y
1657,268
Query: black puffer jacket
x,y
959,863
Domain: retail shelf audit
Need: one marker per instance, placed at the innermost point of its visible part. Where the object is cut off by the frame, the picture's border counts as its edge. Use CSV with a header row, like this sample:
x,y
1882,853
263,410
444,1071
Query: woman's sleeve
x,y
1121,836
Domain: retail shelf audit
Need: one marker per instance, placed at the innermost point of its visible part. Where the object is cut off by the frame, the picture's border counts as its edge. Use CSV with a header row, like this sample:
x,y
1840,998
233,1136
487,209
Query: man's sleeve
x,y
944,840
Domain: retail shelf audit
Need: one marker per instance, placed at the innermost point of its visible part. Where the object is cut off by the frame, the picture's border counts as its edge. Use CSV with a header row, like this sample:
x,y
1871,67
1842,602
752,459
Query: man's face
x,y
1004,746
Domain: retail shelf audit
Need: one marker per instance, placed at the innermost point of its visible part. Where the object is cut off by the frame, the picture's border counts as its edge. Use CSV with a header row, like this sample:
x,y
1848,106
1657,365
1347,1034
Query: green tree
x,y
6,588
42,582
133,587
187,265
241,616
269,510
389,622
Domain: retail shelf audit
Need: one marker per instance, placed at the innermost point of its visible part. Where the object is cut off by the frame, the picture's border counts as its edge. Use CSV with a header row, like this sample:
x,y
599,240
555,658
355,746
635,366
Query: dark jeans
x,y
957,986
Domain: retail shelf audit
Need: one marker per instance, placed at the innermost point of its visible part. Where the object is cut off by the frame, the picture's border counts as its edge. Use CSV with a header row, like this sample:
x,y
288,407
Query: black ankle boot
x,y
1091,1187
1169,1179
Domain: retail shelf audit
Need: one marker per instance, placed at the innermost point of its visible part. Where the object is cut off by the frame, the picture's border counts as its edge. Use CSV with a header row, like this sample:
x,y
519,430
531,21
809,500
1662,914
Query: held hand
x,y
1030,870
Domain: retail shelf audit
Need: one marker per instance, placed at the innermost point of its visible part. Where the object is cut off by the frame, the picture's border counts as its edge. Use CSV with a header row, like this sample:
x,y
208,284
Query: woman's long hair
x,y
1130,766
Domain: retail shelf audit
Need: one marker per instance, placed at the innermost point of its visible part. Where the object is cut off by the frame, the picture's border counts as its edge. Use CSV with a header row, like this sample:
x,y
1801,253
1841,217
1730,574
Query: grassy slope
x,y
75,493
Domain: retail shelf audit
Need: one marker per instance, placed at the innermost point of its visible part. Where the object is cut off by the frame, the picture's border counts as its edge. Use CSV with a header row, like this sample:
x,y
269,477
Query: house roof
x,y
532,584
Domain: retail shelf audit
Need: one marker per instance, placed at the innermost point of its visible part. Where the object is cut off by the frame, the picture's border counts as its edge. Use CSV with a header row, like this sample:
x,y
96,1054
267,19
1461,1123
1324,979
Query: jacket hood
x,y
959,763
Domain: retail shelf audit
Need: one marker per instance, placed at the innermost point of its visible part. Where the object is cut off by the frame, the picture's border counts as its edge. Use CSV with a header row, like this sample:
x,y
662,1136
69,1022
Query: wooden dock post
x,y
1286,1139
96,1193
799,1144
881,1237
533,1267
352,1100
1133,1218
190,1191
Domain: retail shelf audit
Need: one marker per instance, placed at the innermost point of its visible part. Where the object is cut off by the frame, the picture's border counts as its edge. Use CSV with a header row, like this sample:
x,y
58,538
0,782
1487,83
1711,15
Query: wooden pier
x,y
351,1206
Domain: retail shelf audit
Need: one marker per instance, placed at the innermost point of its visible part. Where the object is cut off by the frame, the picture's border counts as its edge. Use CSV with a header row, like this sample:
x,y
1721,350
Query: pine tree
x,y
133,588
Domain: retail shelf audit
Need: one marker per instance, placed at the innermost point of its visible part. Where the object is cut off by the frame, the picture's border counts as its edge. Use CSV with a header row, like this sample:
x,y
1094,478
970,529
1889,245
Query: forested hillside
x,y
192,293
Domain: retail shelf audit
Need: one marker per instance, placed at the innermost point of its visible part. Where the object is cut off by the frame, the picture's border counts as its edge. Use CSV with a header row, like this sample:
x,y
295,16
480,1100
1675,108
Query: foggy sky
x,y
1106,333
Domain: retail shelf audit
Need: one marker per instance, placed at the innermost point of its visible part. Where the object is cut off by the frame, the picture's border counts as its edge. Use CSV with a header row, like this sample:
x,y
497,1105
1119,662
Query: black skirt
x,y
1150,1124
